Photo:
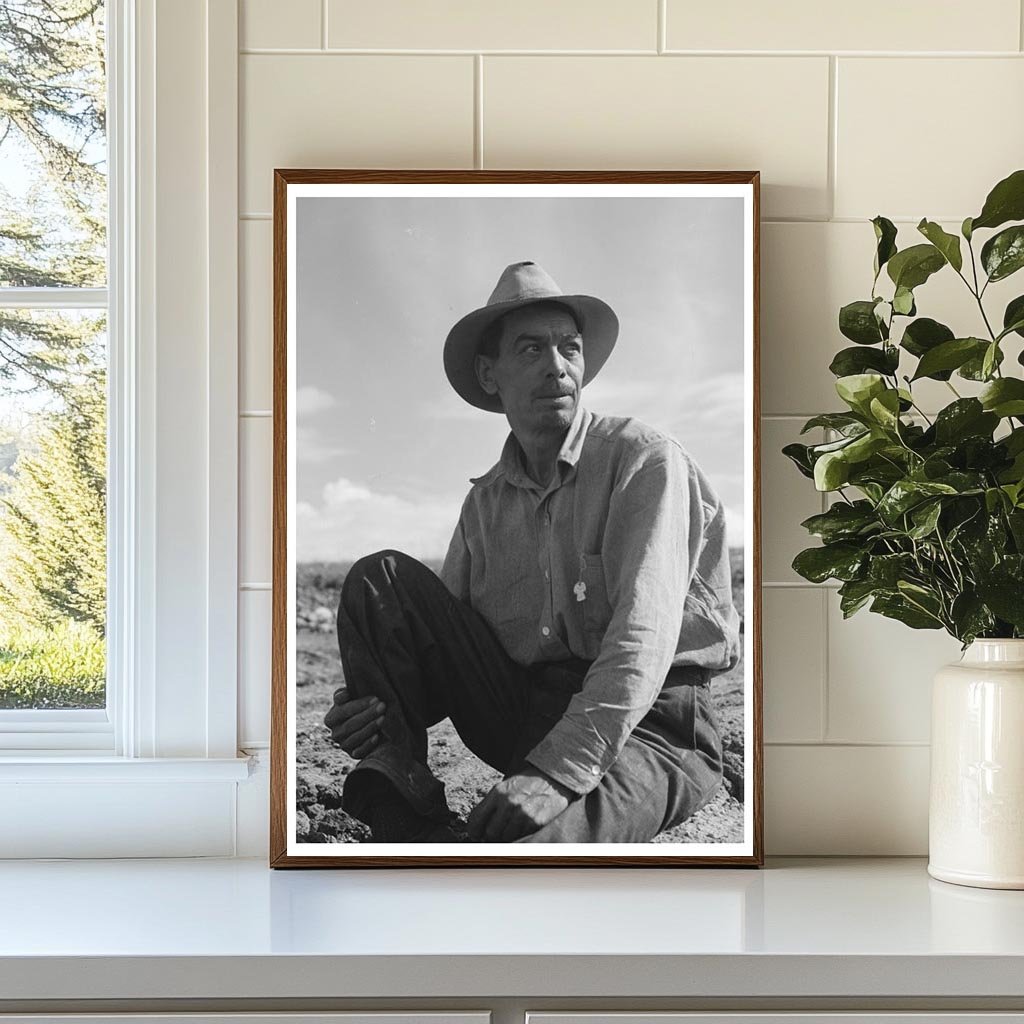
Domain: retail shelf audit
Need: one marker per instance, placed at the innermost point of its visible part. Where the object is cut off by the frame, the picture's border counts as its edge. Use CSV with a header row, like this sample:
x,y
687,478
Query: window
x,y
53,370
155,770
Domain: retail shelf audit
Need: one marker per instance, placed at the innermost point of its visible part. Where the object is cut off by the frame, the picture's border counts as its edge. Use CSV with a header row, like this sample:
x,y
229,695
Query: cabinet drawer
x,y
358,1017
787,1017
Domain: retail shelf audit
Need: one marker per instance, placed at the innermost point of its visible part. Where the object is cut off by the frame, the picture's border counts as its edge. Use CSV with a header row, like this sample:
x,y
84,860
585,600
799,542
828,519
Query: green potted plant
x,y
927,521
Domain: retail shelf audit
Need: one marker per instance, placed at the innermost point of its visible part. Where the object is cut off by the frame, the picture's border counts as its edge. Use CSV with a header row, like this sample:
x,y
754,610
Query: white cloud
x,y
309,400
312,447
353,520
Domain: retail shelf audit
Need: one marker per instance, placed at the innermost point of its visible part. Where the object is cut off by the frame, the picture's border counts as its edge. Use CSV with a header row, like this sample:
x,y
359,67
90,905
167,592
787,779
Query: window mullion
x,y
53,298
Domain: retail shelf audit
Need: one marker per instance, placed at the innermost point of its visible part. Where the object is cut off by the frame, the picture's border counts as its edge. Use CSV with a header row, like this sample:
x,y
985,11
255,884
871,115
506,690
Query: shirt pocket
x,y
597,611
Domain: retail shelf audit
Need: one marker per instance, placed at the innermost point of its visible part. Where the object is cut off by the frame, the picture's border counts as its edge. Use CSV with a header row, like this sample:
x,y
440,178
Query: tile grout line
x,y
1020,23
833,134
798,585
846,744
824,723
323,24
258,51
478,111
662,41
258,215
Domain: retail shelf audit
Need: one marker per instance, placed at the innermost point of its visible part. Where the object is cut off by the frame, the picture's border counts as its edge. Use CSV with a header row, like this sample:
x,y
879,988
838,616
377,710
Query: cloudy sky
x,y
386,448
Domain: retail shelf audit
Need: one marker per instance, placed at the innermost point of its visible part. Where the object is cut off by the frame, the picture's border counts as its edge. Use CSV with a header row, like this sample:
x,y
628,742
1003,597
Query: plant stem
x,y
953,567
924,415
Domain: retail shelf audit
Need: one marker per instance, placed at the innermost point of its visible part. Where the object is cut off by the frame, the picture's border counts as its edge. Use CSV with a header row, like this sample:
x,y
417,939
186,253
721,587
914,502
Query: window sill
x,y
194,932
81,767
80,806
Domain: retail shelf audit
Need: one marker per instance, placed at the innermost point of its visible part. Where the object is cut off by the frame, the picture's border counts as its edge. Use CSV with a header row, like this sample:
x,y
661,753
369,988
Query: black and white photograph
x,y
515,505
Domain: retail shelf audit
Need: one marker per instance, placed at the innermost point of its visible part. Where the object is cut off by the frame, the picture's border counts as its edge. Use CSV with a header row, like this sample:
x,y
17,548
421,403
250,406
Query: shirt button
x,y
546,631
547,575
595,770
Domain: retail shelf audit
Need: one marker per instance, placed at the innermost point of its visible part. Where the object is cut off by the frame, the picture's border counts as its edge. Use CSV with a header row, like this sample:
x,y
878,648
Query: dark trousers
x,y
406,640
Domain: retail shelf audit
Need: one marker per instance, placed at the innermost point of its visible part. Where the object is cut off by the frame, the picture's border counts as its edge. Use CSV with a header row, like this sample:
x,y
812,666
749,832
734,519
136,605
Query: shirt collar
x,y
511,461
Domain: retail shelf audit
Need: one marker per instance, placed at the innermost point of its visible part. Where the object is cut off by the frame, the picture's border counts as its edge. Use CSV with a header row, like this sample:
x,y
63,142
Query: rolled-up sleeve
x,y
650,547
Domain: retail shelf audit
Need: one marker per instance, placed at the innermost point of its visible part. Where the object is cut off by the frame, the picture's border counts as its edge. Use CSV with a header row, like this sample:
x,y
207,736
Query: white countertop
x,y
233,928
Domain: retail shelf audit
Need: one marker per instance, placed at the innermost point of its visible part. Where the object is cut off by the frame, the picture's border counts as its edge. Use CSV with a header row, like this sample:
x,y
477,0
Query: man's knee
x,y
376,571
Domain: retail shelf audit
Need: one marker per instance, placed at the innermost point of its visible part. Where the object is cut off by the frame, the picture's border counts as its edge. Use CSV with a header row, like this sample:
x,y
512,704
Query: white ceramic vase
x,y
976,814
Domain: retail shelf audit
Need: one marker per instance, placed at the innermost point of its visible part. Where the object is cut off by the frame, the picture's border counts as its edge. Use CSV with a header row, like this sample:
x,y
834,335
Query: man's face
x,y
539,370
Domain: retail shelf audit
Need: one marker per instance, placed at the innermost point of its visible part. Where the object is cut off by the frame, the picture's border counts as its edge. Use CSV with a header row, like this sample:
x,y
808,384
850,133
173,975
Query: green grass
x,y
60,667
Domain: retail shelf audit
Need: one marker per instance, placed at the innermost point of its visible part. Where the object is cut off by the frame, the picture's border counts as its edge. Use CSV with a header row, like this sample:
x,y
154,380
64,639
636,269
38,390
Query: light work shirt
x,y
620,560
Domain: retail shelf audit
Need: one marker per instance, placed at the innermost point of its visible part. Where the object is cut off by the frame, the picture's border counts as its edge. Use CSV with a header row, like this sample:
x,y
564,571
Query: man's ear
x,y
485,374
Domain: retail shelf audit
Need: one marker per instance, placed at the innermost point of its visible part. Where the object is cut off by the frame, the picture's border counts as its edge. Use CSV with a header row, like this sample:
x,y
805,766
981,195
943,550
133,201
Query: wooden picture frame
x,y
350,271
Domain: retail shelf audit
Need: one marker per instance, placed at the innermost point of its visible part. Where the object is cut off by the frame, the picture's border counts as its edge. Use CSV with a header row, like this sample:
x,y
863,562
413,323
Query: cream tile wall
x,y
909,110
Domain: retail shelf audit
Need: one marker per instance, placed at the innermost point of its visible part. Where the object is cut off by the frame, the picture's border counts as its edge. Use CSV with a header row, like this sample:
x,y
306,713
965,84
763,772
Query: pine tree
x,y
53,496
53,121
53,519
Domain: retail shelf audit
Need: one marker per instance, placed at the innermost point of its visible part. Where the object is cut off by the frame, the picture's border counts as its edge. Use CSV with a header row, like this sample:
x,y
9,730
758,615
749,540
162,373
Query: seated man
x,y
585,605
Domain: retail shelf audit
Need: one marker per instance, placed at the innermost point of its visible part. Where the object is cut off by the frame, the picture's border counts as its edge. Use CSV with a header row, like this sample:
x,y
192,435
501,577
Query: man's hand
x,y
517,806
355,722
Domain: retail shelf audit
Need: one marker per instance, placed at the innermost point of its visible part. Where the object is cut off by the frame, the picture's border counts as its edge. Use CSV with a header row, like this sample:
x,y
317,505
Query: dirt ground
x,y
321,768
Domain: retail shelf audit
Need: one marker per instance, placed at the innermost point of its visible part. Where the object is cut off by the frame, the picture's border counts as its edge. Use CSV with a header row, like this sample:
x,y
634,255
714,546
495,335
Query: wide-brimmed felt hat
x,y
520,285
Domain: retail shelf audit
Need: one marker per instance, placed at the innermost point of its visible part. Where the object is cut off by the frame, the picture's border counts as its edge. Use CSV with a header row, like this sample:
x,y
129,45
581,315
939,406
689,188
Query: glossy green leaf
x,y
799,455
904,495
966,417
858,389
949,355
840,561
1015,518
994,499
1013,317
971,617
1006,599
966,229
843,521
964,481
817,450
1014,441
947,244
899,607
923,335
1003,254
885,408
864,447
887,570
831,471
990,360
850,361
1004,397
1005,202
925,518
885,238
974,368
903,302
857,321
911,267
841,421
854,594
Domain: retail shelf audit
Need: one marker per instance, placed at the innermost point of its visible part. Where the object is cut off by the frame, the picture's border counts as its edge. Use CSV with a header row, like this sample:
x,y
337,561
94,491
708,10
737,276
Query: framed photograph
x,y
516,605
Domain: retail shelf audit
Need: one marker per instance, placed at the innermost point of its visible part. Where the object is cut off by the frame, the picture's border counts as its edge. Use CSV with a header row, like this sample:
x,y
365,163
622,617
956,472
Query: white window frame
x,y
157,772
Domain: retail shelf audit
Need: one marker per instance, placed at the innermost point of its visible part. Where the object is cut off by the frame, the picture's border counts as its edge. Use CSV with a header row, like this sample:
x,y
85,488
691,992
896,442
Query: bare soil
x,y
321,768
